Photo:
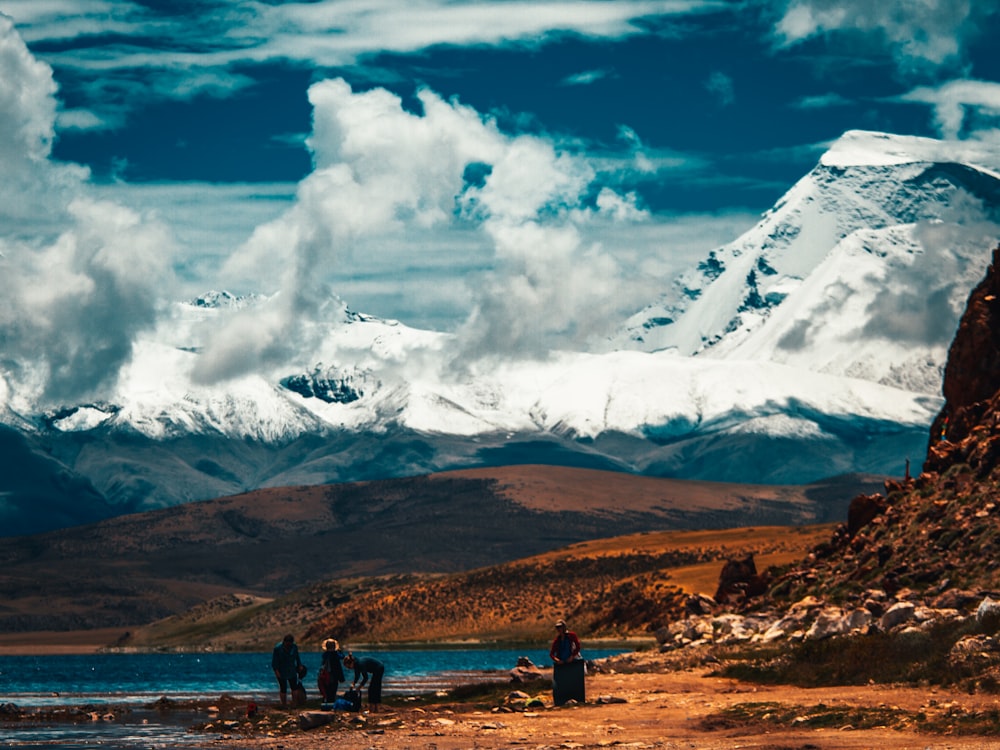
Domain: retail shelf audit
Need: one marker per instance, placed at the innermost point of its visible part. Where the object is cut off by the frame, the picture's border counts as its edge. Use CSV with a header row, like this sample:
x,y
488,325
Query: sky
x,y
522,174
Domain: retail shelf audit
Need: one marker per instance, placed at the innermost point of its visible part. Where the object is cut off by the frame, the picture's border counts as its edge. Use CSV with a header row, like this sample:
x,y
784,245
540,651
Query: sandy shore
x,y
676,709
662,707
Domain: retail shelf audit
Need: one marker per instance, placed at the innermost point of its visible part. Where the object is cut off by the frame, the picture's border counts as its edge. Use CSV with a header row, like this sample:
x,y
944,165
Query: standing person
x,y
365,667
331,673
286,663
568,669
565,646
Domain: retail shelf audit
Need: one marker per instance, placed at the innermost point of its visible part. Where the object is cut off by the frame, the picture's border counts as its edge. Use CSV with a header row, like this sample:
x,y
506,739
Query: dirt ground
x,y
663,708
668,710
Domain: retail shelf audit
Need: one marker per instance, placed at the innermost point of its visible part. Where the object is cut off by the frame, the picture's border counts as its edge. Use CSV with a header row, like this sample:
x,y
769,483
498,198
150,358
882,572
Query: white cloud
x,y
78,277
821,101
326,32
81,119
720,85
334,32
383,173
586,77
919,34
74,306
961,106
208,220
27,105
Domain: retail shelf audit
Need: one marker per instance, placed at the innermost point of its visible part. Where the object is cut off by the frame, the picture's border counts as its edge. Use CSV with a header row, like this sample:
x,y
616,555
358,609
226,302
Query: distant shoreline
x,y
57,642
53,643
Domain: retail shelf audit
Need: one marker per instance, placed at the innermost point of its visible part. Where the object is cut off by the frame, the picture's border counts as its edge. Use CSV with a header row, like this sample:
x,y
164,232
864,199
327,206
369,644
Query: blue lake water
x,y
136,680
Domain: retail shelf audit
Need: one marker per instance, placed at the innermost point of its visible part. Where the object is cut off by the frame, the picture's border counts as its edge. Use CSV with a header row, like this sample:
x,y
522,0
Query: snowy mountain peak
x,y
820,337
864,148
840,277
857,148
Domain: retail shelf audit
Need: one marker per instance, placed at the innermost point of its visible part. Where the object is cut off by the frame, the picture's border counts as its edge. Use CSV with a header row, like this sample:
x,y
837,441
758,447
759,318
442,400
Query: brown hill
x,y
620,587
939,532
135,569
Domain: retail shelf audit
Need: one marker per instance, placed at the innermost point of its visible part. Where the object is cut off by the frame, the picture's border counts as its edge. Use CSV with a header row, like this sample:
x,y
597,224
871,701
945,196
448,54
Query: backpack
x,y
349,701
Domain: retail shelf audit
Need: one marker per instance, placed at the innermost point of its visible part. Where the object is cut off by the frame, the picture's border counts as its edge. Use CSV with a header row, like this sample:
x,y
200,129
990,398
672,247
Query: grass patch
x,y
933,718
476,694
820,716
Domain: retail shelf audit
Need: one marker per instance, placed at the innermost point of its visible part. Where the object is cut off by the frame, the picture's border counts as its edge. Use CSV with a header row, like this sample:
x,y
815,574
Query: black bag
x,y
353,697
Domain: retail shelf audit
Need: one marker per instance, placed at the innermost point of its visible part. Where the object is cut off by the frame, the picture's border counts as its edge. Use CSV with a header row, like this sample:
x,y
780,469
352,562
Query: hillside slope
x,y
618,587
130,570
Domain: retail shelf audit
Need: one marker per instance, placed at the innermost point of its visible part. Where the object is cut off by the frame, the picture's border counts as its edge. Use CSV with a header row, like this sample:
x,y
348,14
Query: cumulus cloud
x,y
926,299
961,107
77,275
382,172
923,34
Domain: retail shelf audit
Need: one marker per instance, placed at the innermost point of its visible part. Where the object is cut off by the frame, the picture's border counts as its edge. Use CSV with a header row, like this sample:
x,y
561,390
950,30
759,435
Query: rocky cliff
x,y
938,533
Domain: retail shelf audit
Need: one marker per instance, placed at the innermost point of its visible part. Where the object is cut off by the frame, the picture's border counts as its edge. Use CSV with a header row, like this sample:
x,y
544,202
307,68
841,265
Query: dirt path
x,y
669,710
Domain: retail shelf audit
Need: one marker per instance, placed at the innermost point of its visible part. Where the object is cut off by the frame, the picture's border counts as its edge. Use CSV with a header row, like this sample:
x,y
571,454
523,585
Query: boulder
x,y
988,615
313,719
699,604
862,510
525,671
739,580
829,622
794,622
898,614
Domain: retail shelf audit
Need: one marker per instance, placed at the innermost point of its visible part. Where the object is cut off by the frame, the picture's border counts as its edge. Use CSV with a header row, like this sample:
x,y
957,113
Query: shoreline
x,y
691,707
58,642
55,643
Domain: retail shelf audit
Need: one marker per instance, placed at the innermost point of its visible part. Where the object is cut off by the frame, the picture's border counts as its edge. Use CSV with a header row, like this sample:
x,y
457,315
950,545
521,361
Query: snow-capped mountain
x,y
861,269
811,346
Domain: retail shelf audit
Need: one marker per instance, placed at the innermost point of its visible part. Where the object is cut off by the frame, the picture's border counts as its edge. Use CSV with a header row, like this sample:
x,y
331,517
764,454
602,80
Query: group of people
x,y
289,671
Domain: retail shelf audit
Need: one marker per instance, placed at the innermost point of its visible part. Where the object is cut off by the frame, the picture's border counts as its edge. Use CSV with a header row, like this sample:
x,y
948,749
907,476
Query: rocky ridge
x,y
921,556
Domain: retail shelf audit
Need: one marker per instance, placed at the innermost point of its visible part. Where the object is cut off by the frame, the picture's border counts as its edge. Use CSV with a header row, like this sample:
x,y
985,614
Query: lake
x,y
139,679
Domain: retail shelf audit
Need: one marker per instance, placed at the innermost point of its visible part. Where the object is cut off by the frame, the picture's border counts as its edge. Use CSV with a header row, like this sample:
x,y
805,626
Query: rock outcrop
x,y
926,550
939,531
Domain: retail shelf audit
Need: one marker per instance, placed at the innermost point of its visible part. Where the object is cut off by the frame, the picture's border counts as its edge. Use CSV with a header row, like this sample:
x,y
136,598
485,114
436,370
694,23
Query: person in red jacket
x,y
565,646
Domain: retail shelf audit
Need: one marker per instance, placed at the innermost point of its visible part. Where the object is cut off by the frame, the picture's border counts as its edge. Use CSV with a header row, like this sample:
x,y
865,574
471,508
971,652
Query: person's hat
x,y
561,624
330,642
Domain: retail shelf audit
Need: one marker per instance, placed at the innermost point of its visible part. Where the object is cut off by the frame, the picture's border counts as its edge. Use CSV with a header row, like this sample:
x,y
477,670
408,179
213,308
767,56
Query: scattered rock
x,y
988,615
897,614
313,719
525,671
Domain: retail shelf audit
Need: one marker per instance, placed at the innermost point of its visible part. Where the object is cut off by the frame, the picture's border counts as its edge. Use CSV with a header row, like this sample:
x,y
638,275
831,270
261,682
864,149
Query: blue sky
x,y
437,162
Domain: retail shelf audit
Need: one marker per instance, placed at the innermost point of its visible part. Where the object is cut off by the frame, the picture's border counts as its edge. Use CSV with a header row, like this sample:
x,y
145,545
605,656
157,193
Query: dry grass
x,y
617,588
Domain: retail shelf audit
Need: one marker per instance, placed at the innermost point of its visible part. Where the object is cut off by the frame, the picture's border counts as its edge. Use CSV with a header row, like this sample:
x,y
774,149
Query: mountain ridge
x,y
828,324
273,541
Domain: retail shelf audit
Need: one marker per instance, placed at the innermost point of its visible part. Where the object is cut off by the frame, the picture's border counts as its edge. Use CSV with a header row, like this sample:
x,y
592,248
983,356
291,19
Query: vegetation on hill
x,y
619,587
